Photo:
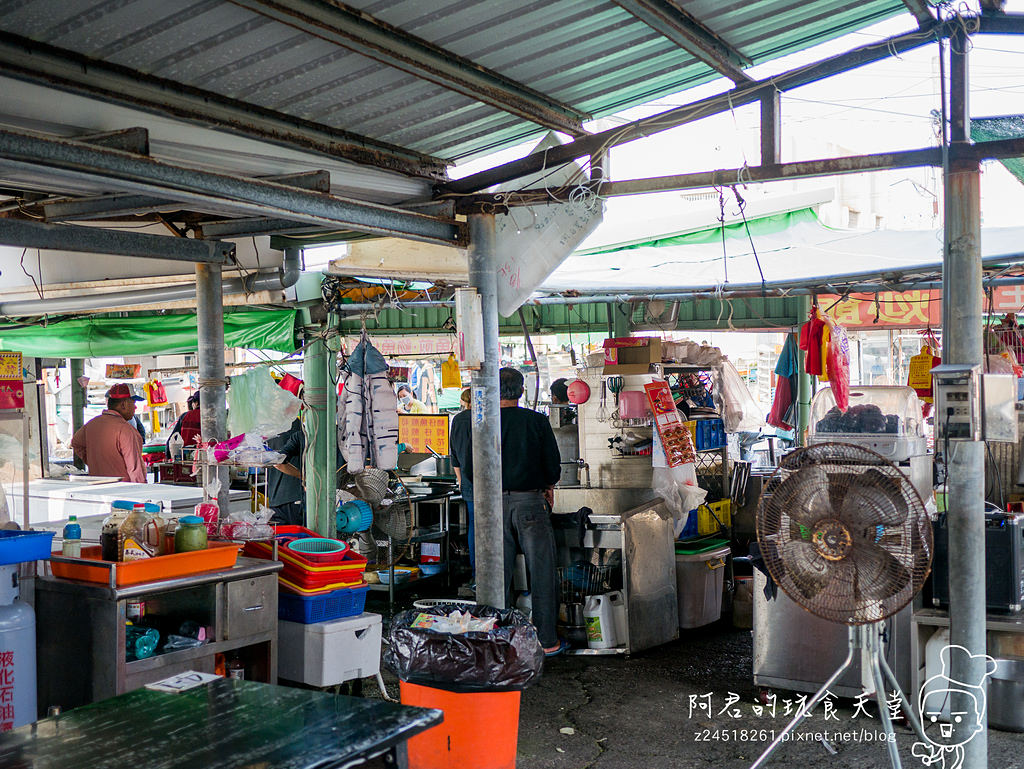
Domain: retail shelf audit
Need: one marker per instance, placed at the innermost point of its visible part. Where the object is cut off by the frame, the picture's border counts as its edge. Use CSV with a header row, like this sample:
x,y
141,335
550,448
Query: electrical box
x,y
469,323
957,393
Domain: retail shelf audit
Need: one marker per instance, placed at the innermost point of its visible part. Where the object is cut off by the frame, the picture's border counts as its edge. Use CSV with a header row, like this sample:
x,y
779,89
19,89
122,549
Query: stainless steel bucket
x,y
1006,696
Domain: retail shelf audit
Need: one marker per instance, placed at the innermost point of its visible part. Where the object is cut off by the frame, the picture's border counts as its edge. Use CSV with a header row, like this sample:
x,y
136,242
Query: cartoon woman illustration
x,y
945,748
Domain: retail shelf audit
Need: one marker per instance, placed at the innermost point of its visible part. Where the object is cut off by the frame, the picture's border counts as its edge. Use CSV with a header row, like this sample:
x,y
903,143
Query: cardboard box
x,y
631,354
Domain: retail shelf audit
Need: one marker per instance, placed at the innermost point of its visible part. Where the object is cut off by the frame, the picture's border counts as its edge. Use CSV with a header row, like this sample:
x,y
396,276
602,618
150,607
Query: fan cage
x,y
844,533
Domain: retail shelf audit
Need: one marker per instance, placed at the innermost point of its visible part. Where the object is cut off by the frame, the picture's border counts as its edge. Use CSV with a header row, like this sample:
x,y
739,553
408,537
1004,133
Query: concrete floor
x,y
613,713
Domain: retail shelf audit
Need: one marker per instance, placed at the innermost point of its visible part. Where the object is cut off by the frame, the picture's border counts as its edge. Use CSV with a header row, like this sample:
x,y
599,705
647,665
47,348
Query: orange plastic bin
x,y
480,729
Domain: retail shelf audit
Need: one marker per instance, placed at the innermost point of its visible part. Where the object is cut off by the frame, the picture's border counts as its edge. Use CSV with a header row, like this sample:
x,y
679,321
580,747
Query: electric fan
x,y
845,535
383,498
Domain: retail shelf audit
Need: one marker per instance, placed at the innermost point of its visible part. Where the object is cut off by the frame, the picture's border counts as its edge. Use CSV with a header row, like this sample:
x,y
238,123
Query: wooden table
x,y
226,724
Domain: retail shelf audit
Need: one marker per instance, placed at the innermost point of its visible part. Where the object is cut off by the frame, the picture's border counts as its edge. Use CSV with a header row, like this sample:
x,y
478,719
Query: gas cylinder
x,y
17,654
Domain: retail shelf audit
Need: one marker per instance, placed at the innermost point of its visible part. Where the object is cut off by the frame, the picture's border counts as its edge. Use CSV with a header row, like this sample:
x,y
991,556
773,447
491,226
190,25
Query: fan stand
x,y
866,640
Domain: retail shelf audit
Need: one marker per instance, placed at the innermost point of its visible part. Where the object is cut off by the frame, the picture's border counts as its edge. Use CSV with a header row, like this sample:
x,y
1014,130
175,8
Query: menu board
x,y
12,388
417,430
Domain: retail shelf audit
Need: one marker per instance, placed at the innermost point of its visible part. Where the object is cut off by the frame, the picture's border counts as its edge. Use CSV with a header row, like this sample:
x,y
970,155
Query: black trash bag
x,y
508,658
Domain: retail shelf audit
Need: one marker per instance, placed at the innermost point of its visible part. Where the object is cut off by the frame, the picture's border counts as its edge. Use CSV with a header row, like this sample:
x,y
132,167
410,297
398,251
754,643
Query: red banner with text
x,y
919,308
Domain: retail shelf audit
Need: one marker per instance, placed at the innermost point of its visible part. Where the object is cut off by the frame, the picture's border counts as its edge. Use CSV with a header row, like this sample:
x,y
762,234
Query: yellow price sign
x,y
418,430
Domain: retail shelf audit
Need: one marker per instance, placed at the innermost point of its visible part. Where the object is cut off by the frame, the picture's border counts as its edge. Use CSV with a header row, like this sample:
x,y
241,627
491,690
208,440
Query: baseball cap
x,y
123,391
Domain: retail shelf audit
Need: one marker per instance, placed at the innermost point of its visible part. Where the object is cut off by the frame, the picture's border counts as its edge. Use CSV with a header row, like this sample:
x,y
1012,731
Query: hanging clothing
x,y
811,334
367,412
784,404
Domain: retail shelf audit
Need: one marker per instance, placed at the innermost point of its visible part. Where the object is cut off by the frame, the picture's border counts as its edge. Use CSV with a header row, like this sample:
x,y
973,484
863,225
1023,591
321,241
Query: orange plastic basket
x,y
218,555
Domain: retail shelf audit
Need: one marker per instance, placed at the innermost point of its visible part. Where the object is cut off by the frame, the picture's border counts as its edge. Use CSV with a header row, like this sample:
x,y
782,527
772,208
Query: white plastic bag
x,y
677,486
740,411
258,405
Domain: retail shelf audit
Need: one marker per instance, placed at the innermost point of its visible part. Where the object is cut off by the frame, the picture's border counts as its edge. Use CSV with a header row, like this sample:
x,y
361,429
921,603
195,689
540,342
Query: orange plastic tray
x,y
218,555
314,589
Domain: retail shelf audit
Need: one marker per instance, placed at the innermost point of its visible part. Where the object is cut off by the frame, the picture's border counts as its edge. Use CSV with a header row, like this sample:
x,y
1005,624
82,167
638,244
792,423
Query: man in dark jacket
x,y
530,467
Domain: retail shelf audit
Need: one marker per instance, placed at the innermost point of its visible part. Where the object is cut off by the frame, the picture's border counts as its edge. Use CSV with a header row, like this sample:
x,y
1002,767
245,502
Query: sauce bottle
x,y
109,544
132,535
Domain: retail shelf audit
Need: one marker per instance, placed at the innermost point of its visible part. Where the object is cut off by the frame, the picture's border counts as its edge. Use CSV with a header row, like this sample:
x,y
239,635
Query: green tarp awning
x,y
147,335
989,129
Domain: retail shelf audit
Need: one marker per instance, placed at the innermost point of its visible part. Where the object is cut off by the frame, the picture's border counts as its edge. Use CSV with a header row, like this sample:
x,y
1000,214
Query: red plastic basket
x,y
303,572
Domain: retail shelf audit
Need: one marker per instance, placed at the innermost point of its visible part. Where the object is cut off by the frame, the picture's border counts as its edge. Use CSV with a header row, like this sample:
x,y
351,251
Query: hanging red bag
x,y
156,395
839,364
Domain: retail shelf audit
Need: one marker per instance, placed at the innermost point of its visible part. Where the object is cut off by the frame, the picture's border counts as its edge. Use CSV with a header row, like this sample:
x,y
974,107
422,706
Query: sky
x,y
885,106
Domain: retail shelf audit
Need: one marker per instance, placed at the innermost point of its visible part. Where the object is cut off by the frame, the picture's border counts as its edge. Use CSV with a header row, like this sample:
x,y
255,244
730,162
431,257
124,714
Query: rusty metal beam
x,y
45,65
119,205
741,95
669,19
920,9
359,32
802,169
128,139
1001,24
63,160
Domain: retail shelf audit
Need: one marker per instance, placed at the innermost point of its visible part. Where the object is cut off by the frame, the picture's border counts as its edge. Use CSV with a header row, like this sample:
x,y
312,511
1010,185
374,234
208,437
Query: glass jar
x,y
190,534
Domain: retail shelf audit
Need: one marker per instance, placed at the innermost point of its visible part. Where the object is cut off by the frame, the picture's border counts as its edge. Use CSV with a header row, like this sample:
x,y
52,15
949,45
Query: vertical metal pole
x,y
487,507
319,465
771,128
803,403
213,412
962,343
78,400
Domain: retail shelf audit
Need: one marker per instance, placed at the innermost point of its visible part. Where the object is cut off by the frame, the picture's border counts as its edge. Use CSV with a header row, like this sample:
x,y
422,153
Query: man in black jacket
x,y
530,467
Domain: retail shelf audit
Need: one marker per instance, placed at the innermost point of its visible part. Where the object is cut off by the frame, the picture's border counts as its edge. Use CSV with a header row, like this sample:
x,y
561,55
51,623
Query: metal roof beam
x,y
359,32
112,206
248,197
667,18
920,9
128,139
51,67
95,240
243,228
1001,24
766,172
741,95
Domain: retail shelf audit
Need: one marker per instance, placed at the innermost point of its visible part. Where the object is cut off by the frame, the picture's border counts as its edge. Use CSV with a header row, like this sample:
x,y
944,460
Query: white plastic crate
x,y
329,653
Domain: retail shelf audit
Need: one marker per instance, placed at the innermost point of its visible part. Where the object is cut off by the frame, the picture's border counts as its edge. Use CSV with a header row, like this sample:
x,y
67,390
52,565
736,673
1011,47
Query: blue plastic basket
x,y
19,546
347,602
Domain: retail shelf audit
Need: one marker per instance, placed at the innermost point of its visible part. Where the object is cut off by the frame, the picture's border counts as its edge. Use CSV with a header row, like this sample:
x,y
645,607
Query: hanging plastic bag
x,y
156,394
450,374
839,364
257,405
740,411
677,487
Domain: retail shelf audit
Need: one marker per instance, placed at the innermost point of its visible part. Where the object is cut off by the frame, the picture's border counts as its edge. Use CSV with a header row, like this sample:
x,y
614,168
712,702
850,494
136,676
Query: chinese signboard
x,y
908,309
418,430
123,370
12,388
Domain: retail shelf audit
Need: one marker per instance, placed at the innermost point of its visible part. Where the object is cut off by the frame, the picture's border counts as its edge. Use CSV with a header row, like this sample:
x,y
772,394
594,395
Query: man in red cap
x,y
109,444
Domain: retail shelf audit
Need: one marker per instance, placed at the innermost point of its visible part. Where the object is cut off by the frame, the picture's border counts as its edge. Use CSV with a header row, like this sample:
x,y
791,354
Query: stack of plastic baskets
x,y
320,580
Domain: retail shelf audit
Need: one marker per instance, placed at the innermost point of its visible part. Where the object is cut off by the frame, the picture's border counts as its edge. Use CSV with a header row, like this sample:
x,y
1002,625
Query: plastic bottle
x,y
600,621
110,549
155,532
132,535
72,538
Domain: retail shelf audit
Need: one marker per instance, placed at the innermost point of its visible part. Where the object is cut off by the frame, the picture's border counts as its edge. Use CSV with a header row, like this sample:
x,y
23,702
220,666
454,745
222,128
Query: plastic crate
x,y
346,602
713,517
20,546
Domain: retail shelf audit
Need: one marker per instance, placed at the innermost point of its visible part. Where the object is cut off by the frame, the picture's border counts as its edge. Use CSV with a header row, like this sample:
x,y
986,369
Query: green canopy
x,y
147,335
992,128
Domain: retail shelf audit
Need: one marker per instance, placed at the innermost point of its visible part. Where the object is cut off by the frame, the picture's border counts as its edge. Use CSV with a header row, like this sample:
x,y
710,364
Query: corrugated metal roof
x,y
591,55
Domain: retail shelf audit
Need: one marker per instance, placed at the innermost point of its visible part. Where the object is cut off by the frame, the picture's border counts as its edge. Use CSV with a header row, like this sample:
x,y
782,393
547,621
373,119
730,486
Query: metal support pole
x,y
621,315
962,343
488,517
803,403
213,412
76,368
319,465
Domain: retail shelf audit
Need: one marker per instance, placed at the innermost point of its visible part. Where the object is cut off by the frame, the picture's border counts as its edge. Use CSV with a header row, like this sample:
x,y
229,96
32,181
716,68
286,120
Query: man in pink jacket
x,y
109,444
